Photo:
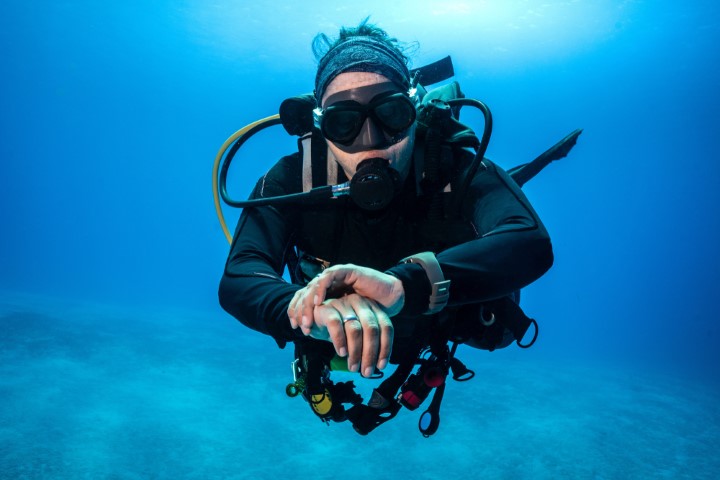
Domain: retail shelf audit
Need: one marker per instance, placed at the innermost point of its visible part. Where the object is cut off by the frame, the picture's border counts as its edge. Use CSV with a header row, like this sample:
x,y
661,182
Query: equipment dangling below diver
x,y
339,402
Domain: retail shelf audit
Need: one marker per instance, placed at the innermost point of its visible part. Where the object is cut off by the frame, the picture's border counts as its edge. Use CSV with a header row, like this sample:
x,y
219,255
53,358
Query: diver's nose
x,y
371,136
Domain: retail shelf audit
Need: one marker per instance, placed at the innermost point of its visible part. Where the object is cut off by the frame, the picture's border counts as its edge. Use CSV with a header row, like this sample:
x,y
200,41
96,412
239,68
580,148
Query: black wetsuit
x,y
489,245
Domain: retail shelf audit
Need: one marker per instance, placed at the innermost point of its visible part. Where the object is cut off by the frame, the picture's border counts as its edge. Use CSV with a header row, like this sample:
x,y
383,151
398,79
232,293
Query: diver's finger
x,y
387,334
291,309
303,315
306,305
297,306
324,282
354,337
333,322
371,340
306,322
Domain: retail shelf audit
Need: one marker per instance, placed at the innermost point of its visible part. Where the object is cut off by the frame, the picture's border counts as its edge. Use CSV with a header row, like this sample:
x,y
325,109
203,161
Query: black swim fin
x,y
522,173
435,72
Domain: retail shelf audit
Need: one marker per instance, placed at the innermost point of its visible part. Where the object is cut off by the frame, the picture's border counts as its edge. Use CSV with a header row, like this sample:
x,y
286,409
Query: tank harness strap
x,y
332,168
304,144
312,145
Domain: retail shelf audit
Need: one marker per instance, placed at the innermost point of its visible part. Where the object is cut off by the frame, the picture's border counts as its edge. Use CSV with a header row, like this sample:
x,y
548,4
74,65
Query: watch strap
x,y
440,288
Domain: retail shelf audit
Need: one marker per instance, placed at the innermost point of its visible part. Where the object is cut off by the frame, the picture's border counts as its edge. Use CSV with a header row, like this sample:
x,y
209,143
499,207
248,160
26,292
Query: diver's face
x,y
372,142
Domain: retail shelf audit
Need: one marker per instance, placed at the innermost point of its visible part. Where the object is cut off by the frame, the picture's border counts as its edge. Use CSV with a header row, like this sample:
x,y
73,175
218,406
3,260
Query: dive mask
x,y
365,118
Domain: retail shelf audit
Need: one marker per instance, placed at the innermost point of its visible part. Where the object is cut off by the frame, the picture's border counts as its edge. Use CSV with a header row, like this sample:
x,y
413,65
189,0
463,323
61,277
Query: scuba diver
x,y
415,241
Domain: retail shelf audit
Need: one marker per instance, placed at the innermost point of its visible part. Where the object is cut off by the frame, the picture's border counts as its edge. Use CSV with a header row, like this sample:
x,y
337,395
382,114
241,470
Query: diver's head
x,y
360,95
365,109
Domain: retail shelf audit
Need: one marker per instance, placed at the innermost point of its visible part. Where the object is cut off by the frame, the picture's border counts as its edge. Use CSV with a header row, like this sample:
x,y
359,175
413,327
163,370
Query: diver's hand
x,y
387,291
358,328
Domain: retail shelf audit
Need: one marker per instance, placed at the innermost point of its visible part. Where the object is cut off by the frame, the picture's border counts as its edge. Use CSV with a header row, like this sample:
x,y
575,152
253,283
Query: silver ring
x,y
348,318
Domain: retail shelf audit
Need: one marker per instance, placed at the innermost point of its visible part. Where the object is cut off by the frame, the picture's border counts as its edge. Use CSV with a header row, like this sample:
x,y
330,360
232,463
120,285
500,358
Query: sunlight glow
x,y
505,32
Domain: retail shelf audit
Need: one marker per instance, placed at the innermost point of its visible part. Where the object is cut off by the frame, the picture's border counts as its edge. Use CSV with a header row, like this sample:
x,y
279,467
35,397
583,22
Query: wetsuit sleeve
x,y
252,288
512,248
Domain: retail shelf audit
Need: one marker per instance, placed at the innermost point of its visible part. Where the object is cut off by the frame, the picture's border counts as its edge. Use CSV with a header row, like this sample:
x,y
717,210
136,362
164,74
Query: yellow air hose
x,y
216,168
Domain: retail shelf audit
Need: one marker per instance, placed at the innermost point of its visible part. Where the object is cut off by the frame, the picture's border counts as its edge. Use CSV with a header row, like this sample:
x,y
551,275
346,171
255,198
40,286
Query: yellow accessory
x,y
321,403
216,167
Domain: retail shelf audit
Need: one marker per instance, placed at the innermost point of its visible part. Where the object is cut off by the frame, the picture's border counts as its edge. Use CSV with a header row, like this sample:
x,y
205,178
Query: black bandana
x,y
361,54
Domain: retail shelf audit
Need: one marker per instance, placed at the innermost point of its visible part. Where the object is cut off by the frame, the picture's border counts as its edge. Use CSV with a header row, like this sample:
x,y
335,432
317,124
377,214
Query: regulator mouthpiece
x,y
374,184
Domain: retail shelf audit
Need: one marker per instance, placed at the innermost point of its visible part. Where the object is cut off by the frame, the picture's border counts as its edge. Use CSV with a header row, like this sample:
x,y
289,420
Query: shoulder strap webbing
x,y
305,148
313,175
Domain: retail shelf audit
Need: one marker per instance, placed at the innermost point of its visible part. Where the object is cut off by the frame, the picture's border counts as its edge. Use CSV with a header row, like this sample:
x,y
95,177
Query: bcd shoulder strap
x,y
319,166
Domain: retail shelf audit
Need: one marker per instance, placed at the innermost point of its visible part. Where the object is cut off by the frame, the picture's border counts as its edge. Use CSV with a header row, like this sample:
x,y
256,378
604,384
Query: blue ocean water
x,y
115,359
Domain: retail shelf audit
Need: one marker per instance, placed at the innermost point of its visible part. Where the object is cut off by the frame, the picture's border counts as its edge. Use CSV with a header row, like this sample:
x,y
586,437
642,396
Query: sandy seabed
x,y
94,392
